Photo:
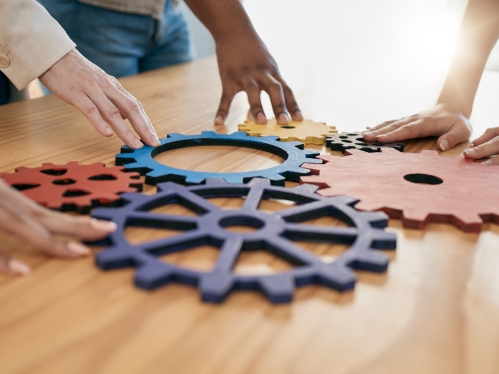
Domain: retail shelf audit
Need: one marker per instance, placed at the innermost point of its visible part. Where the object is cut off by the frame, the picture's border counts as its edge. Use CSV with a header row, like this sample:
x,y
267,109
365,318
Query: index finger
x,y
134,112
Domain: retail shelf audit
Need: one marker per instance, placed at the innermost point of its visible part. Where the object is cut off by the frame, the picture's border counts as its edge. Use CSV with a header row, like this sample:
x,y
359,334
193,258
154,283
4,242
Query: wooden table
x,y
436,310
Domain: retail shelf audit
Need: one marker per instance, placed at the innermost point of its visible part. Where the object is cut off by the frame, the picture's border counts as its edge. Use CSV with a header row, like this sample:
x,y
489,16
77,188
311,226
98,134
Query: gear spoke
x,y
161,221
343,235
175,243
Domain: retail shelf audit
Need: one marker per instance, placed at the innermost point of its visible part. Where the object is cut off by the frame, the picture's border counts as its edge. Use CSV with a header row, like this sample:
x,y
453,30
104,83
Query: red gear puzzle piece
x,y
73,186
417,188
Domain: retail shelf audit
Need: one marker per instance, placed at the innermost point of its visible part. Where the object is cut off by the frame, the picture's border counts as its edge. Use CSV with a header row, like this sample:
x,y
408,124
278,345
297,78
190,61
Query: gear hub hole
x,y
241,224
62,182
55,172
287,127
23,186
423,179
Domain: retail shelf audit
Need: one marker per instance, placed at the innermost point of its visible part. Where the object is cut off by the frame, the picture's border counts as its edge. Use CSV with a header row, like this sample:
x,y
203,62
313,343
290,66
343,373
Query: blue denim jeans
x,y
122,43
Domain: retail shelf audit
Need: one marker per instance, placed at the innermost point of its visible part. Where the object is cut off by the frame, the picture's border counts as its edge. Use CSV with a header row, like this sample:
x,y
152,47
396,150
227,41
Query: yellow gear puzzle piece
x,y
306,131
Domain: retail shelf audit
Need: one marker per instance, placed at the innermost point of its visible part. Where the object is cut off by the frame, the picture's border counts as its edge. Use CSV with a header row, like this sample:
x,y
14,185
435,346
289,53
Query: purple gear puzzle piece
x,y
275,232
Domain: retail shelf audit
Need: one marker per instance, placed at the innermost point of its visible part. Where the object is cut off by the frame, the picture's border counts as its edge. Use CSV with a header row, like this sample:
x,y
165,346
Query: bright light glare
x,y
431,40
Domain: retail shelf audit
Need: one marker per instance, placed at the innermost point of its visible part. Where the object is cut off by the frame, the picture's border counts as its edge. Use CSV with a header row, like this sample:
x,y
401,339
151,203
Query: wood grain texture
x,y
436,310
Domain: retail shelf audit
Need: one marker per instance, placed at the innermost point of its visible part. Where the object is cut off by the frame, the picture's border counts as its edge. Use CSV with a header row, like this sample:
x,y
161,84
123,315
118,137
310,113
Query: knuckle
x,y
275,86
135,106
113,112
90,110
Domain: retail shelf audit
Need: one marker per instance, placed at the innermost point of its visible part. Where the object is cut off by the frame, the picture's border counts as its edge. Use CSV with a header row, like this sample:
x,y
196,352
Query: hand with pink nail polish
x,y
39,227
444,121
244,62
485,146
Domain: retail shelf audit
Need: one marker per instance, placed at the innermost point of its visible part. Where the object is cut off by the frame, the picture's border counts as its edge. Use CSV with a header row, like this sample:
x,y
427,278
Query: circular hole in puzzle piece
x,y
103,177
361,144
62,182
360,139
353,134
343,137
287,127
24,186
241,224
346,141
55,172
75,193
423,179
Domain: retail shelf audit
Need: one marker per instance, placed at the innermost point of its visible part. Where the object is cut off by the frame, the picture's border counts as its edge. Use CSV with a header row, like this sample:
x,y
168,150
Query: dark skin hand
x,y
244,62
449,119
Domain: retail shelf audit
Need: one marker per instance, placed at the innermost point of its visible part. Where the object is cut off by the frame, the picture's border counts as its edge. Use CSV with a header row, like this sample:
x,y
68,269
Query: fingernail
x,y
487,162
283,119
298,115
470,152
18,267
381,136
260,118
107,226
444,145
367,133
137,143
219,120
78,248
108,131
155,141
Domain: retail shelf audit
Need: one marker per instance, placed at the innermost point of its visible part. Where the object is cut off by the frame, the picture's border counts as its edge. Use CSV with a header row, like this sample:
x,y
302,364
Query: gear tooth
x,y
336,276
216,182
259,182
359,153
208,133
172,135
369,260
306,188
298,145
414,219
194,179
309,153
154,275
167,186
376,219
215,287
124,159
273,138
384,240
113,258
234,179
238,134
278,288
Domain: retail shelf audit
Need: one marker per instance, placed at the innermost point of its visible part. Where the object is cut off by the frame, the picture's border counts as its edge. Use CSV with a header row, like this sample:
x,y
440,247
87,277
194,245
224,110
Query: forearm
x,y
478,34
223,18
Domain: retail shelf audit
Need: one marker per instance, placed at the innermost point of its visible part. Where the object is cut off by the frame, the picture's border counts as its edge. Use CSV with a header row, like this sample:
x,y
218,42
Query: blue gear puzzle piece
x,y
274,232
142,160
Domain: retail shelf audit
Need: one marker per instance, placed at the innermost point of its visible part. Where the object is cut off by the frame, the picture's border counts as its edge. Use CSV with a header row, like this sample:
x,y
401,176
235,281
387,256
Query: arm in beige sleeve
x,y
31,41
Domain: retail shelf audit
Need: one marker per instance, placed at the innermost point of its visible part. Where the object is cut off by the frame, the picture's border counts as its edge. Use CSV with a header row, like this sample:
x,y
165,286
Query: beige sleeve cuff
x,y
31,41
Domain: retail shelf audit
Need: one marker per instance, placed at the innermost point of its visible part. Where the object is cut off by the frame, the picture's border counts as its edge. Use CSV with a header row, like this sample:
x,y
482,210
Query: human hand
x,y
101,99
39,226
245,64
449,124
485,146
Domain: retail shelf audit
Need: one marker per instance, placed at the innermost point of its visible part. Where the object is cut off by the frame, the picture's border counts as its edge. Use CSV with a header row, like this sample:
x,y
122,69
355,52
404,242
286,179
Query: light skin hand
x,y
101,99
485,146
39,226
449,124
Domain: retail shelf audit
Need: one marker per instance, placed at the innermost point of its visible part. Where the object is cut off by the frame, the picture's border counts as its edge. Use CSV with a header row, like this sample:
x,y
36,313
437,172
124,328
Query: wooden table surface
x,y
436,310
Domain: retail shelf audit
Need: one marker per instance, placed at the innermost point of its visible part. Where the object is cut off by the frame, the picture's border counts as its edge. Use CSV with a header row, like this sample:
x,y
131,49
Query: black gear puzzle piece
x,y
354,140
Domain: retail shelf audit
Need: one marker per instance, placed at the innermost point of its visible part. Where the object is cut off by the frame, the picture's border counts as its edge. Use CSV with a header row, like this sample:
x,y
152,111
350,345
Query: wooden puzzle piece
x,y
274,231
142,160
416,187
306,131
73,186
354,140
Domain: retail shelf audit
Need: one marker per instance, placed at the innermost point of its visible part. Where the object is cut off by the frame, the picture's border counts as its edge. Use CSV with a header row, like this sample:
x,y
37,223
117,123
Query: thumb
x,y
456,134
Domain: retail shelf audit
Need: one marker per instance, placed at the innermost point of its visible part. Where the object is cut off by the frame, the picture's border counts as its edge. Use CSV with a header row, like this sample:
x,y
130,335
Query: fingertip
x,y
108,131
102,225
219,120
78,249
18,267
470,153
261,118
297,115
283,119
137,144
444,145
